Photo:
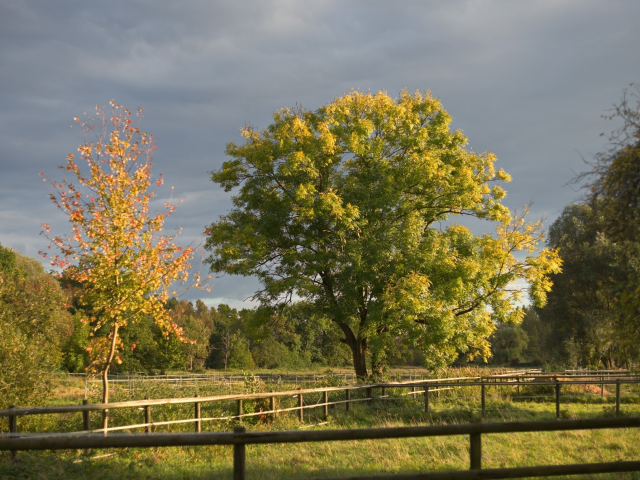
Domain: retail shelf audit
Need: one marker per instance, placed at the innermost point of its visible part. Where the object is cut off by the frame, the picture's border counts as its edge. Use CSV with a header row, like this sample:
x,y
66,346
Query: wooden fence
x,y
425,388
240,438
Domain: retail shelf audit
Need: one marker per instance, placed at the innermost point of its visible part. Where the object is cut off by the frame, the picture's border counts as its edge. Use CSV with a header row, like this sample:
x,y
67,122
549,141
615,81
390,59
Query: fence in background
x,y
342,395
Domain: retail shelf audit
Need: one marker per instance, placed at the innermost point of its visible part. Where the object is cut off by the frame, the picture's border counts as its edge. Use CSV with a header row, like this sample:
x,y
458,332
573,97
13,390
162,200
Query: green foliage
x,y
581,310
74,350
344,207
509,342
34,324
150,349
197,325
539,334
615,182
240,357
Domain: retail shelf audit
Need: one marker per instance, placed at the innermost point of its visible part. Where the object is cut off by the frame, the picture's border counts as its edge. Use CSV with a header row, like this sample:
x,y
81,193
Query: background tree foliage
x,y
615,181
34,325
581,310
349,208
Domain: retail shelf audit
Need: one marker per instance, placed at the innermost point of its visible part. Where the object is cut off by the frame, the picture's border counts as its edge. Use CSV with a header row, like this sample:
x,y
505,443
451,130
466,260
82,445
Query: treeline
x,y
292,337
584,322
44,329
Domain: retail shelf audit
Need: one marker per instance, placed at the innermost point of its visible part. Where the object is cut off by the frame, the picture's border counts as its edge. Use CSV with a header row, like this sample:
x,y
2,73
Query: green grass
x,y
328,459
361,457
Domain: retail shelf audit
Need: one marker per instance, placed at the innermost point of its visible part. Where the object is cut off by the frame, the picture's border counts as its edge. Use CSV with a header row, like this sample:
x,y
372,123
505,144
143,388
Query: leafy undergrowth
x,y
328,459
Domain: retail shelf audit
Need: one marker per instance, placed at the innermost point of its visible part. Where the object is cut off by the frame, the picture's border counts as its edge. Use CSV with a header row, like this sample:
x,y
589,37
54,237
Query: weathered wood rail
x,y
240,438
371,392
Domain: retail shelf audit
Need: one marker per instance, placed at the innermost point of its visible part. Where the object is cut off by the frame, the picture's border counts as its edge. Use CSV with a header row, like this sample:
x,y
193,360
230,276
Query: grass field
x,y
348,458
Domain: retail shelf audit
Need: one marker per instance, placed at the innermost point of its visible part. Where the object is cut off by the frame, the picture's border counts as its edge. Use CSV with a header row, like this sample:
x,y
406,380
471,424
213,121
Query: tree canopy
x,y
581,310
34,324
615,181
351,206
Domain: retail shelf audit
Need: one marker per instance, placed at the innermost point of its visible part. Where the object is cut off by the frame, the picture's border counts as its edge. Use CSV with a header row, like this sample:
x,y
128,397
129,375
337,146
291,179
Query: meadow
x,y
331,459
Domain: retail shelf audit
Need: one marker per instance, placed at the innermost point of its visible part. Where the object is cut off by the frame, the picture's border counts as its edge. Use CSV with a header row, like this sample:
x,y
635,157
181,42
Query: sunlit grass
x,y
328,459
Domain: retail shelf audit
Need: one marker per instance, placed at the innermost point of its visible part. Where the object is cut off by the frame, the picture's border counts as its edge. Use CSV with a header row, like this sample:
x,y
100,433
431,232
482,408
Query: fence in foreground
x,y
240,438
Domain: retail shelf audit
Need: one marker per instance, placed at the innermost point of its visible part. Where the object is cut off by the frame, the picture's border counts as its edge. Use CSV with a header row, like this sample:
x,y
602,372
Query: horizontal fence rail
x,y
240,438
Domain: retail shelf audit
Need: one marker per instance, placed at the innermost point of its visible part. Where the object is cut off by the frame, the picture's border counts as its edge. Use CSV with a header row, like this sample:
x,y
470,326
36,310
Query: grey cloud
x,y
525,80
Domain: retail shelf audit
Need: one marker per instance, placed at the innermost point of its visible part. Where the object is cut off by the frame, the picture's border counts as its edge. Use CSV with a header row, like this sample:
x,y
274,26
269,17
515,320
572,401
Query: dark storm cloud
x,y
525,80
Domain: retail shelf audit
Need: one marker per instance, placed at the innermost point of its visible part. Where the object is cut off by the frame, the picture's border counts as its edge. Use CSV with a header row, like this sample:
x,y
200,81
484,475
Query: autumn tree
x,y
116,252
350,207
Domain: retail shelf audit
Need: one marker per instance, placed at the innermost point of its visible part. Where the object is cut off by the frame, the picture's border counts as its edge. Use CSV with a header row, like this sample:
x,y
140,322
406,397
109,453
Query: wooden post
x,y
369,393
300,405
272,405
326,406
617,397
383,391
602,386
239,412
482,399
348,398
557,398
518,381
86,425
147,418
238,455
426,399
197,416
13,423
475,451
13,429
413,392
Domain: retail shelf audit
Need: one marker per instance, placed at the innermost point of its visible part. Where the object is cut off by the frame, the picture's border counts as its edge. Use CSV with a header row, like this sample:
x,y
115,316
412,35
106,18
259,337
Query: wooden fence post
x,y
238,455
13,428
370,393
197,416
617,397
602,386
239,409
426,398
13,422
326,406
557,398
482,398
300,405
475,451
383,391
413,392
147,417
86,423
272,405
348,398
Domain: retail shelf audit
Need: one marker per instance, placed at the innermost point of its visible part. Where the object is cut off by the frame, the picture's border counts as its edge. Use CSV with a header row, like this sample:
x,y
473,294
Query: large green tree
x,y
615,181
350,207
582,312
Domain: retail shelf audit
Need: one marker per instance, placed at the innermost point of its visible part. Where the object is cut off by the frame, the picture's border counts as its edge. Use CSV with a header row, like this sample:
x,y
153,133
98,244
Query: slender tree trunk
x,y
105,373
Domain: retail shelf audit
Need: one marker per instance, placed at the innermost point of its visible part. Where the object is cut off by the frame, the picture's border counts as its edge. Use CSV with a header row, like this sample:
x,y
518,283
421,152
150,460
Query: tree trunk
x,y
359,350
105,380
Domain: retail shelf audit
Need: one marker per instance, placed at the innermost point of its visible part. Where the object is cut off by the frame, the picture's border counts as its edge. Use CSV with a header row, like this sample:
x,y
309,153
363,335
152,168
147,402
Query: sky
x,y
528,81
